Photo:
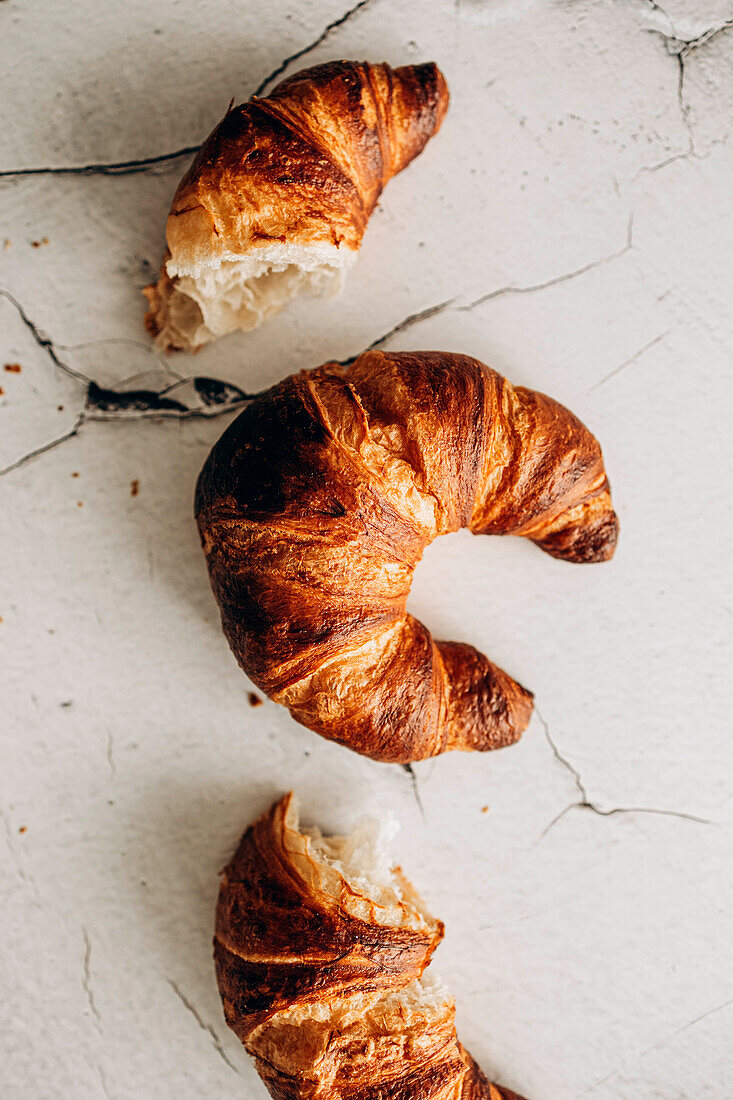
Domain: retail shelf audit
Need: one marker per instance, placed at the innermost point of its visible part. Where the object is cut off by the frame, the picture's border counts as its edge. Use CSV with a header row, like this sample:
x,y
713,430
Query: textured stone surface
x,y
575,212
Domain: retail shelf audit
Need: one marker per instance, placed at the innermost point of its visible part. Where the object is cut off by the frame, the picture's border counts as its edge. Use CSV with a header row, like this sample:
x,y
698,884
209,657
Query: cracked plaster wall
x,y
571,226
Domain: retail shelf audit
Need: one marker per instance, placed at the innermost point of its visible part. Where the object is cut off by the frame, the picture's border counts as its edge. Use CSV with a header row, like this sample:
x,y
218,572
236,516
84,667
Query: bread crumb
x,y
254,700
23,829
75,473
13,368
134,487
7,243
80,503
2,391
39,244
59,408
484,809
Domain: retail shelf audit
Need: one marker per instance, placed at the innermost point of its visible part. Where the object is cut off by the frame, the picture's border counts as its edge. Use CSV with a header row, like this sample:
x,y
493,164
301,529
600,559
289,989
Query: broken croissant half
x,y
315,507
276,203
320,949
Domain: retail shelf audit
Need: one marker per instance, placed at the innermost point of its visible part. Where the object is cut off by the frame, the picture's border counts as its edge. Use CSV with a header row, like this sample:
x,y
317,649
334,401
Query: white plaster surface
x,y
577,211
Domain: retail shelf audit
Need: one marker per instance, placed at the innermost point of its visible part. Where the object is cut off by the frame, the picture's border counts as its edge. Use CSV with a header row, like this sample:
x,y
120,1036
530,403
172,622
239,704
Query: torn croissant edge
x,y
276,203
320,950
316,505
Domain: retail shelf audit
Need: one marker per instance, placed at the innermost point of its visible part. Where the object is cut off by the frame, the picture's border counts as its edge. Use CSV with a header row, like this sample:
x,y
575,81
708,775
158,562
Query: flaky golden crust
x,y
315,507
310,989
280,939
304,166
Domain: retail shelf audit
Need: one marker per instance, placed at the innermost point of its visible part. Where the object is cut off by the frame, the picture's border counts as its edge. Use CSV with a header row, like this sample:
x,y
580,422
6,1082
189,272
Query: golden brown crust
x,y
318,997
315,507
304,166
279,938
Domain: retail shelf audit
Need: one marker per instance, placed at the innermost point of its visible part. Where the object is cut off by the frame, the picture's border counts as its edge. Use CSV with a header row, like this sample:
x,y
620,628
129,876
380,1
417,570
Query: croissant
x,y
320,948
315,505
278,198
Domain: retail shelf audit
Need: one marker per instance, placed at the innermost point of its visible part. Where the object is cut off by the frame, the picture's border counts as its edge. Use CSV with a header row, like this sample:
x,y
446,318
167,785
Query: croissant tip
x,y
585,545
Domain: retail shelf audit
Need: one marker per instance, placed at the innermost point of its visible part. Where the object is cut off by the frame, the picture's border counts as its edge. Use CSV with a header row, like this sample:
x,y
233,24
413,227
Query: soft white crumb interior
x,y
363,857
241,293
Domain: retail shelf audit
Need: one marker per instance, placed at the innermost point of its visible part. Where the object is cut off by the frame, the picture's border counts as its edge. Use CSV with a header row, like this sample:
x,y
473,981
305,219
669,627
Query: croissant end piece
x,y
320,949
315,507
278,198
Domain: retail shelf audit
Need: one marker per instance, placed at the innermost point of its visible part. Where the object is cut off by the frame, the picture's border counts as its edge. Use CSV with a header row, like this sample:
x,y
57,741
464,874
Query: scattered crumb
x,y
134,487
484,809
80,503
13,368
66,703
75,473
51,630
7,243
254,700
39,244
2,391
1,618
59,408
23,829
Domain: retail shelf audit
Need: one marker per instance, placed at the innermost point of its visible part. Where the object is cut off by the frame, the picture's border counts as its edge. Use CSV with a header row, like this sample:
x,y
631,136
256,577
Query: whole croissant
x,y
316,504
278,198
320,948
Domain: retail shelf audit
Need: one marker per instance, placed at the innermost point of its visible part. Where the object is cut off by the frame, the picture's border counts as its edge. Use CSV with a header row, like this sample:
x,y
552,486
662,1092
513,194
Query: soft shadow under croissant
x,y
315,507
320,962
278,198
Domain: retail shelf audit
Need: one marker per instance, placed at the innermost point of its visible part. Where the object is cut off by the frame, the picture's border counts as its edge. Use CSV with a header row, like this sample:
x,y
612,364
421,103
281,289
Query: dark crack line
x,y
87,980
105,405
680,49
688,153
562,759
117,405
408,322
87,417
204,1026
311,46
118,168
126,341
43,341
567,277
167,414
401,326
632,359
415,789
45,447
145,164
586,803
657,7
684,107
431,311
676,44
